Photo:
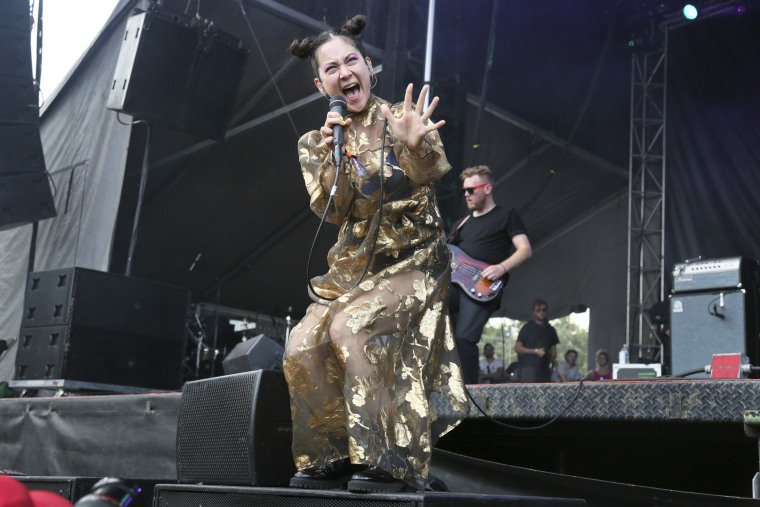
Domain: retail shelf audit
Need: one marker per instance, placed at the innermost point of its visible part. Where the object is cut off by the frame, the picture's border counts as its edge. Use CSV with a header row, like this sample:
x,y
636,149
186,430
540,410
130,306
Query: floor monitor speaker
x,y
89,326
236,429
178,72
258,353
168,495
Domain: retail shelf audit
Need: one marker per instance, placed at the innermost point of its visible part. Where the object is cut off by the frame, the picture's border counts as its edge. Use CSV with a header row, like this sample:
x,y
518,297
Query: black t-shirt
x,y
488,237
535,336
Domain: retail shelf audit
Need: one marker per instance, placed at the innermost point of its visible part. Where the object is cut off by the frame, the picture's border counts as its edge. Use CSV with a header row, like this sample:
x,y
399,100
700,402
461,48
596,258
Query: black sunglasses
x,y
470,190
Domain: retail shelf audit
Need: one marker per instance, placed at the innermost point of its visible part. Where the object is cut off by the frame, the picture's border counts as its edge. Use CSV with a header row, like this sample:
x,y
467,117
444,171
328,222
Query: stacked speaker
x,y
102,328
24,189
714,310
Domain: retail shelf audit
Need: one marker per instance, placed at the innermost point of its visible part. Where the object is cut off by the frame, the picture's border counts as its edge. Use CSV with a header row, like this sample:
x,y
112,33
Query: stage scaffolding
x,y
646,198
646,183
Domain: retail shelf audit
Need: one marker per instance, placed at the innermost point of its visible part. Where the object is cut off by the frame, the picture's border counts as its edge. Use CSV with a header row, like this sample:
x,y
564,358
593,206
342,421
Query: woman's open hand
x,y
411,128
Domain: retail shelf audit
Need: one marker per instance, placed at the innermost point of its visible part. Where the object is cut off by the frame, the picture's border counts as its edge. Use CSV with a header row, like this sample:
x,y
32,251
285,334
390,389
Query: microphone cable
x,y
324,216
527,428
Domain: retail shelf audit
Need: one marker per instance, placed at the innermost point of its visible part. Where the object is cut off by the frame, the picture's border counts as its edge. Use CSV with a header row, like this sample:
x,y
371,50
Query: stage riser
x,y
216,496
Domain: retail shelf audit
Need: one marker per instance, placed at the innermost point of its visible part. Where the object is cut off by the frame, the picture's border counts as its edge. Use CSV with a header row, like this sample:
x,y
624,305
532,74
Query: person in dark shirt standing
x,y
536,346
495,237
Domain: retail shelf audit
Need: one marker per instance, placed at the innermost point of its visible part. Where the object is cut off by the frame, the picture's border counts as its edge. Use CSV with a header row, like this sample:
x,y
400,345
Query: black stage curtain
x,y
713,143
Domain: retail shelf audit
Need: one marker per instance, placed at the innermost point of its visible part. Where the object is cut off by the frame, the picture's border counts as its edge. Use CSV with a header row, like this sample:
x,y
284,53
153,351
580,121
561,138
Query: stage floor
x,y
671,434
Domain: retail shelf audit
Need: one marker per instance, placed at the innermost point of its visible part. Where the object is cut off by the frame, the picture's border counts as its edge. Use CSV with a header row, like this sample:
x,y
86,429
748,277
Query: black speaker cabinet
x,y
258,353
25,194
236,429
178,72
707,323
74,488
70,488
90,326
183,495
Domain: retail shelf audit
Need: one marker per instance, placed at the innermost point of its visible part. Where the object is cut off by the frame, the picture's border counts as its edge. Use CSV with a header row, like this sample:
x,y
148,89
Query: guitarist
x,y
492,234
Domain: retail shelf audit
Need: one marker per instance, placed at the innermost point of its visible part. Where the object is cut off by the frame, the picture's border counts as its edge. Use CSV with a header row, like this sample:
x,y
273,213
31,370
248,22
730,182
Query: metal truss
x,y
646,183
646,199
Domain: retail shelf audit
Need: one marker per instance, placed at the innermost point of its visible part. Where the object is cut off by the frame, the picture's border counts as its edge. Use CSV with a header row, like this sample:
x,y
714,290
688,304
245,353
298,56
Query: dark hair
x,y
571,351
306,49
537,302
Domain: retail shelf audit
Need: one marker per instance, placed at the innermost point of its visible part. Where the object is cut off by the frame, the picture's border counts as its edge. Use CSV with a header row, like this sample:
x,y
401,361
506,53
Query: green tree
x,y
502,334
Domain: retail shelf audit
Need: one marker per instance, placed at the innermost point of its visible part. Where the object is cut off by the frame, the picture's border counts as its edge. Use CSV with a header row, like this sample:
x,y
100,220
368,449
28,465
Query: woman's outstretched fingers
x,y
420,109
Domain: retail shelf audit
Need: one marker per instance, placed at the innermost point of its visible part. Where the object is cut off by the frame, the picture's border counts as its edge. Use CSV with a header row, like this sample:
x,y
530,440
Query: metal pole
x,y
429,49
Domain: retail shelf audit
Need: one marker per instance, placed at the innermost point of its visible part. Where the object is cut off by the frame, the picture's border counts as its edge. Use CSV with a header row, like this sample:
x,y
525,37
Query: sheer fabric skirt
x,y
374,376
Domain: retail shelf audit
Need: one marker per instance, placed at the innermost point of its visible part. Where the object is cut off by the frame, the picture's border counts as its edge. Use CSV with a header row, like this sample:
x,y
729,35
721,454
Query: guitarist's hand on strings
x,y
494,272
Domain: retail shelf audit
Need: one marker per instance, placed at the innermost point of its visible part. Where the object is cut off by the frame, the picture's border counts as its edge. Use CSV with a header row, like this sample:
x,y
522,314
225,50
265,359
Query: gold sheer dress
x,y
363,368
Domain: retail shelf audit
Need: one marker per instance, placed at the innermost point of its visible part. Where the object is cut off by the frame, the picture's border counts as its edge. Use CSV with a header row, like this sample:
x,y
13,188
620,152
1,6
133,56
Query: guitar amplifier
x,y
730,273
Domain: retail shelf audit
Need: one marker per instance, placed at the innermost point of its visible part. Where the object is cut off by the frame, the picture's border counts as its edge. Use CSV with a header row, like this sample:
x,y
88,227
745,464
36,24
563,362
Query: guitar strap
x,y
453,234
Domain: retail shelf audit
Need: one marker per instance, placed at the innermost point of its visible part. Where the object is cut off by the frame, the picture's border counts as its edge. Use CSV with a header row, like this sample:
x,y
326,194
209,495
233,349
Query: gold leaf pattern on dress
x,y
360,229
356,451
403,433
376,353
303,461
457,388
360,395
430,321
448,340
335,374
420,290
416,399
364,315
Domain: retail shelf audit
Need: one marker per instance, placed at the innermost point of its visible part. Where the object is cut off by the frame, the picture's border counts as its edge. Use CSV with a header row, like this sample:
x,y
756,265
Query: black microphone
x,y
338,105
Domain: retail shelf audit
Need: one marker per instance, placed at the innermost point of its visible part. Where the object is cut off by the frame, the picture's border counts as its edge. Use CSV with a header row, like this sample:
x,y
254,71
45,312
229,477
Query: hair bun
x,y
354,25
303,48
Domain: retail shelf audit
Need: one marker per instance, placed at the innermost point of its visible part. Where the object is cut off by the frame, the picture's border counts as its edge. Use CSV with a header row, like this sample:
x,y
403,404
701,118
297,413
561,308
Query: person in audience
x,y
491,368
603,369
536,346
567,370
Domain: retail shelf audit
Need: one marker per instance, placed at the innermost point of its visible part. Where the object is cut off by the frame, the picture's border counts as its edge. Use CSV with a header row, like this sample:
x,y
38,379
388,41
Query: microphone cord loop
x,y
327,207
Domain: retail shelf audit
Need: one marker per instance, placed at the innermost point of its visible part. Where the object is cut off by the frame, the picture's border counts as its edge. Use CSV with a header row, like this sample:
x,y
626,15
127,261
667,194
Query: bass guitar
x,y
467,273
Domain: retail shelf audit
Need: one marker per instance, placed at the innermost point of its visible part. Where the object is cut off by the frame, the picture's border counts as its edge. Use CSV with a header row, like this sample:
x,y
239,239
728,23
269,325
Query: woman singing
x,y
364,362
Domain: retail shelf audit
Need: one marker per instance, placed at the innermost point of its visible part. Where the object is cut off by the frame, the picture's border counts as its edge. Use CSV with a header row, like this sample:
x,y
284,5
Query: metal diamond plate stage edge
x,y
661,400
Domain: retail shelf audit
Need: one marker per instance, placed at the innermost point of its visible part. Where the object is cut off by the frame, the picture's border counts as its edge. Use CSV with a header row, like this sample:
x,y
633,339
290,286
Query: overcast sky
x,y
69,26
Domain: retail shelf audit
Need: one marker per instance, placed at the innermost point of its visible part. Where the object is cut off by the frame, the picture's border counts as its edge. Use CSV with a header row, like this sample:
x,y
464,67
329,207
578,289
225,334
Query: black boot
x,y
375,479
333,475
